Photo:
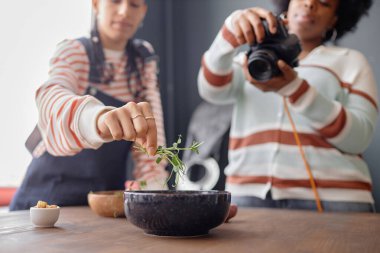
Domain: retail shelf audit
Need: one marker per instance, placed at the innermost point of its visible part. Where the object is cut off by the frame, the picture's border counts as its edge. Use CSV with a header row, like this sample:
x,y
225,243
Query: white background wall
x,y
29,32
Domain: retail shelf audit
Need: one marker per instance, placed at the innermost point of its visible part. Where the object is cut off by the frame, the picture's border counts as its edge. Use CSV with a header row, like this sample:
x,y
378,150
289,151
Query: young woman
x,y
296,140
92,108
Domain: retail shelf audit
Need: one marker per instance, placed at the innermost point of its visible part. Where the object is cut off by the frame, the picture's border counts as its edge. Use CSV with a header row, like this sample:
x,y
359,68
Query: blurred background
x,y
180,31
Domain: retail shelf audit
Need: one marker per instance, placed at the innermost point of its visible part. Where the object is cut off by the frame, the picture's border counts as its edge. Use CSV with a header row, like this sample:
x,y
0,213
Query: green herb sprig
x,y
171,154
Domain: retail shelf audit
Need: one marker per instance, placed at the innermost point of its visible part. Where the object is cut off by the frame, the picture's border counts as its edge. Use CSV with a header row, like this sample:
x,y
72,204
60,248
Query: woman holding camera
x,y
296,139
92,108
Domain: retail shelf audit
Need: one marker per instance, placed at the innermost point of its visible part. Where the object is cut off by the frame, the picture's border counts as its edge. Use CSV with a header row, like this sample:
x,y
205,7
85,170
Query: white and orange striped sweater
x,y
334,105
67,117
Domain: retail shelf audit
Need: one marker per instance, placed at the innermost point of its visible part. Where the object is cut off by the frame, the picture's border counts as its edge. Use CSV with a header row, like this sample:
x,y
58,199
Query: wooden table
x,y
253,230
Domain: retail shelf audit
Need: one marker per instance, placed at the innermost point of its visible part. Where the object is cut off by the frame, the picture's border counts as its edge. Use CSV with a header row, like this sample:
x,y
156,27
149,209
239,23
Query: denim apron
x,y
66,181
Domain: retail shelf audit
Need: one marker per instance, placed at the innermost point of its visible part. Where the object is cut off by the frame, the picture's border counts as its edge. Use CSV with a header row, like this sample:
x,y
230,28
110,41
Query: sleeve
x,y
64,115
145,167
220,78
348,123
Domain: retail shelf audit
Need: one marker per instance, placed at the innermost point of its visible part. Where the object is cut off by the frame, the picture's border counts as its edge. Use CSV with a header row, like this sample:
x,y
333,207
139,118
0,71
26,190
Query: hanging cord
x,y
307,166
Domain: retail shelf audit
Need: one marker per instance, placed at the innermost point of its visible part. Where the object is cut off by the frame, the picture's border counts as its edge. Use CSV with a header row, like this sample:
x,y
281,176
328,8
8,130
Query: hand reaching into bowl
x,y
131,122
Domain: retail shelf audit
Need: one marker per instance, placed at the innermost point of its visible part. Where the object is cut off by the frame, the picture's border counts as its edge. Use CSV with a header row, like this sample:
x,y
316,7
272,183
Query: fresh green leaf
x,y
176,161
171,154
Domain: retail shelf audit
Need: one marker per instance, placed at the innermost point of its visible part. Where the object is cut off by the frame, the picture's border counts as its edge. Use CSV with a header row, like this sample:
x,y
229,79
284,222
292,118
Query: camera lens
x,y
262,65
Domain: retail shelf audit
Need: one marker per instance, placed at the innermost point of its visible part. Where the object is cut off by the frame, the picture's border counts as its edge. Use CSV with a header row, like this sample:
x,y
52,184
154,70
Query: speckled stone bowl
x,y
176,213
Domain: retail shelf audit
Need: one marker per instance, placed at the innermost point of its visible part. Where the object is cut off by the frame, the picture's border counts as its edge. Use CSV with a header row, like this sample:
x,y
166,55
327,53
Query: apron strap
x,y
33,140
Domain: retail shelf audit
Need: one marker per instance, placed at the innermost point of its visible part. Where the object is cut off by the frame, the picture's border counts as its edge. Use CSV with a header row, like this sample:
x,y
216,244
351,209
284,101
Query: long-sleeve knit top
x,y
67,116
333,103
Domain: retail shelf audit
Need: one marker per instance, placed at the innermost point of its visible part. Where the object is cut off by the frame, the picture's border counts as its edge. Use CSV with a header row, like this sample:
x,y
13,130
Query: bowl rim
x,y
177,192
105,193
46,208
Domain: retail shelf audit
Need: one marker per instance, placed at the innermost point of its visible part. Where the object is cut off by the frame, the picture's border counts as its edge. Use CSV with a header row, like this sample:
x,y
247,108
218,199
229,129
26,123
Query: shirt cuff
x,y
88,123
290,88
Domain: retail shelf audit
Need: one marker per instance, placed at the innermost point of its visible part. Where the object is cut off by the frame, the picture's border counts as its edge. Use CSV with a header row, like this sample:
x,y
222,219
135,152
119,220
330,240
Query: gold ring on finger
x,y
149,117
136,116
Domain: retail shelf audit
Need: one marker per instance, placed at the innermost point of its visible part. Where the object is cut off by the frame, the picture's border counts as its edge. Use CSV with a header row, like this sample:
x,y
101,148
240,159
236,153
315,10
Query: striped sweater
x,y
67,117
333,103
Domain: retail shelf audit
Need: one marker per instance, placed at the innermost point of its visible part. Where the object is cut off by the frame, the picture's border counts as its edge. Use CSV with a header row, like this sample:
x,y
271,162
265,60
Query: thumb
x,y
102,126
288,73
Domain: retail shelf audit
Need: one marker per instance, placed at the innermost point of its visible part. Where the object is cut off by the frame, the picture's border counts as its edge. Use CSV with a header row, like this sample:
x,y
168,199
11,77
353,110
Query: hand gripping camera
x,y
263,57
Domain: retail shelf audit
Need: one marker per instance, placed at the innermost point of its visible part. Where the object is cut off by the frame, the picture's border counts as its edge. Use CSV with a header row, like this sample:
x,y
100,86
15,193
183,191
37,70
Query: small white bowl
x,y
44,217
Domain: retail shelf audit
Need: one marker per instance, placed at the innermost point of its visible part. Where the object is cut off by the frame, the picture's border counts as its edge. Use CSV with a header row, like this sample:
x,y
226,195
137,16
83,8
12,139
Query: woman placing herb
x,y
92,107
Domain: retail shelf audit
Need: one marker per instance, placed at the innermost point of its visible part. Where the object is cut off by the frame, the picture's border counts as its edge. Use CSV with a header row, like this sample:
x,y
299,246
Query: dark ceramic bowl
x,y
176,213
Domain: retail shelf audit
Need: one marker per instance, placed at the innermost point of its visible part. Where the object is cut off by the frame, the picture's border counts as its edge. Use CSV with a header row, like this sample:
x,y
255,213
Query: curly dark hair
x,y
349,13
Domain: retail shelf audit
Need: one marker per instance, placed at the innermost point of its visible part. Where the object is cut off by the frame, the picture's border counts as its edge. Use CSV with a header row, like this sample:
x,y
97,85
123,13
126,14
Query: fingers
x,y
256,23
131,185
269,17
131,122
288,73
118,124
126,123
102,127
275,83
246,33
138,121
232,212
112,125
151,133
248,27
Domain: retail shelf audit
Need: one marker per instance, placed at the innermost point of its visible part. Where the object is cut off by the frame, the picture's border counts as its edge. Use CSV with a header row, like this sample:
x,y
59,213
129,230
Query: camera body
x,y
263,57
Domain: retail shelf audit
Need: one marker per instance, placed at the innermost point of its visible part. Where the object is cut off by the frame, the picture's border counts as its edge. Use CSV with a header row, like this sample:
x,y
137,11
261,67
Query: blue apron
x,y
66,181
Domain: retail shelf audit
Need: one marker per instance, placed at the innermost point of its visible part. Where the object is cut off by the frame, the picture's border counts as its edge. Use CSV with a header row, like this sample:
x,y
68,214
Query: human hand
x,y
132,185
277,82
131,122
247,25
232,212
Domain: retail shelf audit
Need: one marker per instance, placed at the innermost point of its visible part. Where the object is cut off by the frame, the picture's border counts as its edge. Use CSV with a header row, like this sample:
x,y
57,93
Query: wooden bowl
x,y
107,203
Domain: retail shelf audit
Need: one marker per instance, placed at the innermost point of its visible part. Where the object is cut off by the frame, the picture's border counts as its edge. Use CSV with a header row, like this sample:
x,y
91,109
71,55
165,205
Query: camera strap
x,y
306,163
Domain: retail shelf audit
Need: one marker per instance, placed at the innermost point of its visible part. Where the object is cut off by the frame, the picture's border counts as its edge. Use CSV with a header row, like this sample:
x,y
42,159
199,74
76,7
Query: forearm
x,y
66,117
67,121
349,126
217,76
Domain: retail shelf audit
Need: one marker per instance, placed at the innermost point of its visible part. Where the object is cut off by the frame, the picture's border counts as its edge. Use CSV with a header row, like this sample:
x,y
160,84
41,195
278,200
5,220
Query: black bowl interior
x,y
176,213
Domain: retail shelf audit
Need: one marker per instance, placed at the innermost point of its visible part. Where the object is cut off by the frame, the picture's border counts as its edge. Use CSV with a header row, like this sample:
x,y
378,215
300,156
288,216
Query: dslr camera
x,y
263,57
